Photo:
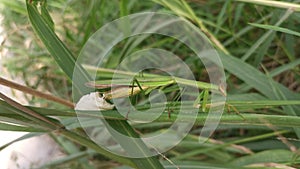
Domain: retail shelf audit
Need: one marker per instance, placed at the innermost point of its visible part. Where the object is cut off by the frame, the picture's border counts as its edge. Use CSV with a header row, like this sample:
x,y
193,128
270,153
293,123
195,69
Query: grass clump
x,y
257,43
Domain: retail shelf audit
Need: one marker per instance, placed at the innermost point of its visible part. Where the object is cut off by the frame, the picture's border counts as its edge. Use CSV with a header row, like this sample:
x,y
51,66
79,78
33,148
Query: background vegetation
x,y
258,44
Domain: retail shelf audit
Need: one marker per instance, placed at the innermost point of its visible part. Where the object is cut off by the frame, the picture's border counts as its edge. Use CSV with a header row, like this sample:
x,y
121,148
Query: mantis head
x,y
93,101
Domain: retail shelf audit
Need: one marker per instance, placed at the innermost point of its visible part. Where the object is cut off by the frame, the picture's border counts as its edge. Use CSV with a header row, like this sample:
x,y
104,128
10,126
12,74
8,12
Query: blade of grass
x,y
222,16
249,139
285,67
68,159
18,119
26,136
277,4
248,119
11,127
44,121
276,28
33,92
275,156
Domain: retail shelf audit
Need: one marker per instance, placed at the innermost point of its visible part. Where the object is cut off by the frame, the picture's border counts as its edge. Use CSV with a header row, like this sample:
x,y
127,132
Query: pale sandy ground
x,y
28,153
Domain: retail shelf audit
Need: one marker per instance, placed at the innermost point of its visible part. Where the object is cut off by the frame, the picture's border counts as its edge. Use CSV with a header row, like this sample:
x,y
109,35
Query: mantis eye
x,y
101,95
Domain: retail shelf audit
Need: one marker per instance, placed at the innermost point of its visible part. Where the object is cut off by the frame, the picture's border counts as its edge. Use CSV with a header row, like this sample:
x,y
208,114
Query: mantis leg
x,y
204,97
175,99
198,99
178,95
169,112
229,106
131,94
204,100
138,84
141,74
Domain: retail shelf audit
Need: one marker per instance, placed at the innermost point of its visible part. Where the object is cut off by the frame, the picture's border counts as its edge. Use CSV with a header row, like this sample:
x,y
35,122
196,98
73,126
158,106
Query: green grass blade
x,y
277,4
275,156
26,136
276,28
248,118
11,127
67,159
45,14
285,67
45,122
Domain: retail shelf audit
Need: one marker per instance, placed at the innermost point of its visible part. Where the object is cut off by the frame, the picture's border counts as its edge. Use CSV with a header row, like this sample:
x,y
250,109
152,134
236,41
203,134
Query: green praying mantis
x,y
123,86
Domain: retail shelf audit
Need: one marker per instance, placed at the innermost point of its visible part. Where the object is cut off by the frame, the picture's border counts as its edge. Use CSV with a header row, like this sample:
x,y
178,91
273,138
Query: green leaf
x,y
11,127
276,28
278,4
45,14
275,156
67,159
26,136
285,67
252,119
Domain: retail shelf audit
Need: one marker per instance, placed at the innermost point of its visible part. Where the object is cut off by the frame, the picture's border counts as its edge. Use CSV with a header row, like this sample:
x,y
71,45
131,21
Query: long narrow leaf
x,y
253,119
276,28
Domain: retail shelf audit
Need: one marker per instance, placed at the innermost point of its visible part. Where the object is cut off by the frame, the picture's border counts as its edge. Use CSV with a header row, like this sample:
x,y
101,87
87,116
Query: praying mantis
x,y
124,87
145,83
